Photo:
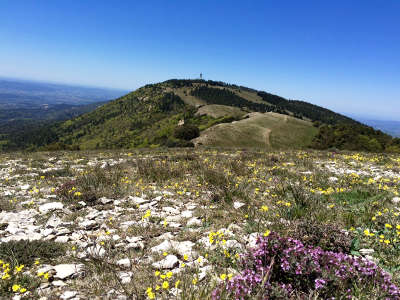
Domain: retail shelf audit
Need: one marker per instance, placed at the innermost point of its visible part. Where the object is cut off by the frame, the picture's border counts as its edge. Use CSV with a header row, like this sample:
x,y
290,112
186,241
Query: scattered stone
x,y
58,283
187,214
53,222
64,271
125,263
68,295
92,215
174,225
138,200
194,222
96,251
233,244
24,187
169,262
158,198
184,248
203,272
125,277
171,210
238,204
88,224
62,239
252,240
366,251
44,208
164,246
105,200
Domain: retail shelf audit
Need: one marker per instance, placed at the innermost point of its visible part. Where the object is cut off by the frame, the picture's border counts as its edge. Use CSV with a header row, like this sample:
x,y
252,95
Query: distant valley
x,y
28,104
16,93
389,127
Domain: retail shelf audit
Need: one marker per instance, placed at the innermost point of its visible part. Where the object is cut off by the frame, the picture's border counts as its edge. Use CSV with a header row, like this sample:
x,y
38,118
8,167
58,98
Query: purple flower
x,y
284,266
319,283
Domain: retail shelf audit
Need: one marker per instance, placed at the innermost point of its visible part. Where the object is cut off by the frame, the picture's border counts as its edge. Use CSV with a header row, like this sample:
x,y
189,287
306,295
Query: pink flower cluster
x,y
283,267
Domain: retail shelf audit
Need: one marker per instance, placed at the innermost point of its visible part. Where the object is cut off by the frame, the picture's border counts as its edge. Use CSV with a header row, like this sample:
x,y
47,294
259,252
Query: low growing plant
x,y
281,267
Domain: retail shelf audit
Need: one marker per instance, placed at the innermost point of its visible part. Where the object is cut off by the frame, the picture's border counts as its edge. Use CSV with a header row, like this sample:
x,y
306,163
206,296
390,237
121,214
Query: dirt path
x,y
266,135
285,119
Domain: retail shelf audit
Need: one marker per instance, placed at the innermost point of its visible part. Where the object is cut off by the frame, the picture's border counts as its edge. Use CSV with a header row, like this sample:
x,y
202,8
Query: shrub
x,y
25,252
186,132
328,237
284,267
179,144
94,184
157,171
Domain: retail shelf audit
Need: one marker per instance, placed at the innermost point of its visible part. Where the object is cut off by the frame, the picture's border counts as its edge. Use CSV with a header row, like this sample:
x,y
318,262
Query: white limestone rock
x,y
238,204
125,277
169,262
68,295
44,208
194,222
125,263
64,271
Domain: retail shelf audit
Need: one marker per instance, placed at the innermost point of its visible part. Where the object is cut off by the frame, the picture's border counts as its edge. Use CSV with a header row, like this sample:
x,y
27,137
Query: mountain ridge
x,y
151,115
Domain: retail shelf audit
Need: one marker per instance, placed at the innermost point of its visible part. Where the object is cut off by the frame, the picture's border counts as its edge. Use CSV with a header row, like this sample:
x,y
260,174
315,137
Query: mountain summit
x,y
179,113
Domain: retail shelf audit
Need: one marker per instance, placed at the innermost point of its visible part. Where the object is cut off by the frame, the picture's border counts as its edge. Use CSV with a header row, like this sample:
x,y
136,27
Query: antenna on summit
x,y
201,76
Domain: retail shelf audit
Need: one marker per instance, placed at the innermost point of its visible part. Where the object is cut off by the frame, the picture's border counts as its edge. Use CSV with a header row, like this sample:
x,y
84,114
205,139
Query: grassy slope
x,y
218,111
187,98
281,130
251,96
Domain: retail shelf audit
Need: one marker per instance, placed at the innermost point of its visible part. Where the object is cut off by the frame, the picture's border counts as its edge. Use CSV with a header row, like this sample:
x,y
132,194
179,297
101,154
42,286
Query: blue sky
x,y
344,55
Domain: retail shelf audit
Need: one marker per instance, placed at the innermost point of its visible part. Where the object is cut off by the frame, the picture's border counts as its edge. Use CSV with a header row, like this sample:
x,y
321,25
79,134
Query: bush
x,y
94,184
186,132
285,268
178,144
25,252
328,237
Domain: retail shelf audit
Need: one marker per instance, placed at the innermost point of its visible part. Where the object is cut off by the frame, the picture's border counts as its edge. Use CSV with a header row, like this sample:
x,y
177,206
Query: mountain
x,y
177,113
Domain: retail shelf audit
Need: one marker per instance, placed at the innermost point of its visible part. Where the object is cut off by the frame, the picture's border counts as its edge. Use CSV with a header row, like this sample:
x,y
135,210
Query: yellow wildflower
x,y
267,233
16,287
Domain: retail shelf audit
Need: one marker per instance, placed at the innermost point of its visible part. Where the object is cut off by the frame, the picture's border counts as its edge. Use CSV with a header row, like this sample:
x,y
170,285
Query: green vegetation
x,y
26,252
226,97
149,118
302,109
355,137
186,132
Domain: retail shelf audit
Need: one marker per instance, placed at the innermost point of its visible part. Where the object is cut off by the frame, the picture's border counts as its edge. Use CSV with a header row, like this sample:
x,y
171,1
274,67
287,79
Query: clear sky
x,y
344,55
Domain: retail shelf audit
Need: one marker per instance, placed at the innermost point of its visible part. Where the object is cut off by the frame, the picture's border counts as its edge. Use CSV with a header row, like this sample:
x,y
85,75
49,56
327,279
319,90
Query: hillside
x,y
152,115
261,130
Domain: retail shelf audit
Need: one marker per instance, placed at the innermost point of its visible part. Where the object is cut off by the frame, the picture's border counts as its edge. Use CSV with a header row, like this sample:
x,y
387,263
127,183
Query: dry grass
x,y
269,130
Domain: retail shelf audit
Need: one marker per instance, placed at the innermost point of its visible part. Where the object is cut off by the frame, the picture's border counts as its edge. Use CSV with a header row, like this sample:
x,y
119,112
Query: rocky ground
x,y
176,225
